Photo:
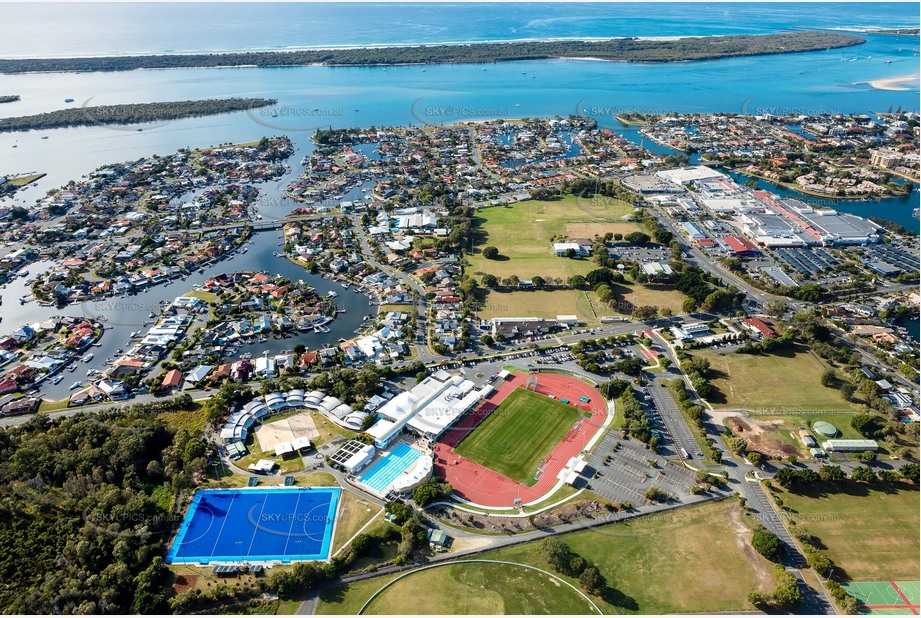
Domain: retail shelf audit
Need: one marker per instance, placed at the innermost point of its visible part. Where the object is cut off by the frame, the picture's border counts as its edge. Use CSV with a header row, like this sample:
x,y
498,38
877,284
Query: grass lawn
x,y
21,181
208,297
789,379
396,307
543,304
692,559
519,434
522,232
479,589
328,429
353,514
872,534
636,295
53,406
588,230
316,479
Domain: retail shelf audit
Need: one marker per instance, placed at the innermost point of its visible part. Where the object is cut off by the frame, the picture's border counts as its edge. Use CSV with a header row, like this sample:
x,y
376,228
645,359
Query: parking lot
x,y
677,428
622,470
641,253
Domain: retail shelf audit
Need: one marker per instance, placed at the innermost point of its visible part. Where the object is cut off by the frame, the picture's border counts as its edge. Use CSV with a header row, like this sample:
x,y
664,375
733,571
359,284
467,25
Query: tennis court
x,y
886,598
238,525
392,464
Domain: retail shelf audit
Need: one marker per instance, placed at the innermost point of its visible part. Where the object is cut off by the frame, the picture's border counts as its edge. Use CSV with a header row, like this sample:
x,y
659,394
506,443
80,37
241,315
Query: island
x,y
620,50
131,113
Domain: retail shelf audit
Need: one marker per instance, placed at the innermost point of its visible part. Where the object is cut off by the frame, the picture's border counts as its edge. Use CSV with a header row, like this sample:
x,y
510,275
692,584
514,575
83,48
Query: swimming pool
x,y
383,473
236,525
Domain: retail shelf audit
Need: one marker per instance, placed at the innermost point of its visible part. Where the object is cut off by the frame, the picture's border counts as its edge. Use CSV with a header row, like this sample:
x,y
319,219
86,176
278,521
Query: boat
x,y
44,137
68,100
87,357
332,294
76,385
262,339
152,315
57,379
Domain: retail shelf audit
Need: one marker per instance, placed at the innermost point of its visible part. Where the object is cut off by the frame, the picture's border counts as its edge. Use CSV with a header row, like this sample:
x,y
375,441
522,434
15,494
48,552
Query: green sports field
x,y
519,434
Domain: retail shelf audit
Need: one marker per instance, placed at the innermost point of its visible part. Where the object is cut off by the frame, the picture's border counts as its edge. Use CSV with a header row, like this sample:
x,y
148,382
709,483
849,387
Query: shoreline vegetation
x,y
615,50
130,113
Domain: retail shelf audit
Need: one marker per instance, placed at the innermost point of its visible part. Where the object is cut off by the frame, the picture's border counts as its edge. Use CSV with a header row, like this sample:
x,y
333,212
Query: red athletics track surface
x,y
471,481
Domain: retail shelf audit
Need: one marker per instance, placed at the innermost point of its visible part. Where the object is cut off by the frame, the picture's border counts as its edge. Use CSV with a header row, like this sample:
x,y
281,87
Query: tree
x,y
604,292
775,308
755,458
759,599
738,445
592,581
665,312
867,456
614,388
768,545
689,305
436,488
490,281
577,281
662,236
866,424
864,474
487,340
831,474
786,477
570,253
910,472
637,238
645,312
556,553
848,390
786,595
490,252
829,379
599,275
538,281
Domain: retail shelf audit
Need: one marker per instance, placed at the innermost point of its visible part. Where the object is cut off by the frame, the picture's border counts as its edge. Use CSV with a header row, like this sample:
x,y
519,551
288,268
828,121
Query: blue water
x,y
384,472
312,97
270,524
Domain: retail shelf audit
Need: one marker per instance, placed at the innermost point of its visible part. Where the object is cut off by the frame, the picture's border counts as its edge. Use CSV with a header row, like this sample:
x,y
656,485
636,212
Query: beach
x,y
901,84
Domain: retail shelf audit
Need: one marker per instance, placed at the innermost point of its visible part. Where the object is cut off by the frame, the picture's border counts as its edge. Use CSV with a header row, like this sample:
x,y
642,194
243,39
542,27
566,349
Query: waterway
x,y
122,316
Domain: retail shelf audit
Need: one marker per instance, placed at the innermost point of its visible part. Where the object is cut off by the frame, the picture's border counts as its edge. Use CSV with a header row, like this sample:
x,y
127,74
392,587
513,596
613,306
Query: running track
x,y
475,483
